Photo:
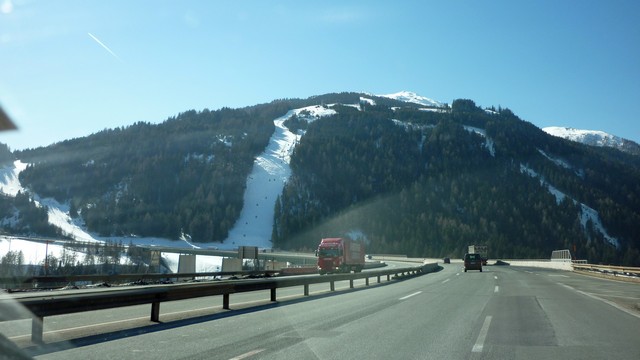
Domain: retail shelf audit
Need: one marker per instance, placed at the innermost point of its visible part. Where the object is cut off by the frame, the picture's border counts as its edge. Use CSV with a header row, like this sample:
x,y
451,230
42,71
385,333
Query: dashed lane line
x,y
247,354
479,345
410,295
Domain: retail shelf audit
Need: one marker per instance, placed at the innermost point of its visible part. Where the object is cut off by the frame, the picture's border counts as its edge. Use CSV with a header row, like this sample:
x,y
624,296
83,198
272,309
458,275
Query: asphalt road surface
x,y
500,313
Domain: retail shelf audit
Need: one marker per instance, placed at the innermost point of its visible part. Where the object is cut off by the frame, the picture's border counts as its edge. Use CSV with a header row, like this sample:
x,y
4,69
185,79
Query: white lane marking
x,y
603,300
616,296
495,277
76,328
496,289
446,281
458,274
554,275
14,338
479,345
248,354
410,295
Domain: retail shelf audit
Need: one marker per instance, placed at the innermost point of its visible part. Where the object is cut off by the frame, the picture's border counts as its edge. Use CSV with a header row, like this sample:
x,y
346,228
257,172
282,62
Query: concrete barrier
x,y
558,265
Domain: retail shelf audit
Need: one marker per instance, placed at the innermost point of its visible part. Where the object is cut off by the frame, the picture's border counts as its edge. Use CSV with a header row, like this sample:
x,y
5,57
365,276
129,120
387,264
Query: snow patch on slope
x,y
309,113
488,143
586,214
411,97
270,173
367,101
9,182
588,137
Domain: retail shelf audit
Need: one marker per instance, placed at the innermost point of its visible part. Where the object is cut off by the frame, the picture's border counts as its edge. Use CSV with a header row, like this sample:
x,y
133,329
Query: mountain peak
x,y
408,96
589,137
594,138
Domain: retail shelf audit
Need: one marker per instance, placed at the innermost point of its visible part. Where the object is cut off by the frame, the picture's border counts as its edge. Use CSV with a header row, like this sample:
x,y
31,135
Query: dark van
x,y
472,262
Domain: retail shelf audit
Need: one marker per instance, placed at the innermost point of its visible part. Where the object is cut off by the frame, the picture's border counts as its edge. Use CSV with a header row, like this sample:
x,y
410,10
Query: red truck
x,y
340,255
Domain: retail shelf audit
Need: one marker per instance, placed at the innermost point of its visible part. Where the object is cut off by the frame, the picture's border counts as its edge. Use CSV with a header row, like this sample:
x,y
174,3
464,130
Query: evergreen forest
x,y
410,180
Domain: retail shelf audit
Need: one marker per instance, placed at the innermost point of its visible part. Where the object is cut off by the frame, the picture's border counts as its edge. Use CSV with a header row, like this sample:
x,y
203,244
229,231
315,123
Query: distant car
x,y
472,262
447,261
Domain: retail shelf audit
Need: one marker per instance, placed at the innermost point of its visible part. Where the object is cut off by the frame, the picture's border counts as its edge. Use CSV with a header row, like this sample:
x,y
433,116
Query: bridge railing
x,y
42,304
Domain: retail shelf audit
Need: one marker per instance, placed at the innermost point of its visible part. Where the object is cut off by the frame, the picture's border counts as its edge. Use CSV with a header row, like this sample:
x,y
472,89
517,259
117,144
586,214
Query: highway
x,y
502,313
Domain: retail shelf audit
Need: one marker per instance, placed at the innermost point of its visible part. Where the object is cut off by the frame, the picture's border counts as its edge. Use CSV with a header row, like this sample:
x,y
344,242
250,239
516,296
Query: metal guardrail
x,y
41,304
35,282
607,269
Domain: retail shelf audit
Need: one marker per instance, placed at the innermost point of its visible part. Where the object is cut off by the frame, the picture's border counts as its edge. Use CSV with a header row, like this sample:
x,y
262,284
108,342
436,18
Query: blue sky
x,y
72,68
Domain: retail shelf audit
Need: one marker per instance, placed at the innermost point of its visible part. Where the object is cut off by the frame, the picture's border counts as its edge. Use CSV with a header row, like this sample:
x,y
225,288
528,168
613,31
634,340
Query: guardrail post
x,y
306,289
379,279
351,283
366,281
225,301
273,294
155,312
388,277
37,329
333,285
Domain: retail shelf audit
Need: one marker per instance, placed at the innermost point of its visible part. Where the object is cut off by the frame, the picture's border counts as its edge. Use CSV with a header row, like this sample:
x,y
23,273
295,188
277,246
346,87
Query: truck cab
x,y
340,255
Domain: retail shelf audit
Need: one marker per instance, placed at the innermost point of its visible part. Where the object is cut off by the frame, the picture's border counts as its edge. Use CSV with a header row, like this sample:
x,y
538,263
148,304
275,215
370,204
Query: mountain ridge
x,y
433,170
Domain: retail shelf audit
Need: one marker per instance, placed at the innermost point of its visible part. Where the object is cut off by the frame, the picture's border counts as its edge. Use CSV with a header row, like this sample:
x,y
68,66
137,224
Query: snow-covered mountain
x,y
411,97
593,138
271,172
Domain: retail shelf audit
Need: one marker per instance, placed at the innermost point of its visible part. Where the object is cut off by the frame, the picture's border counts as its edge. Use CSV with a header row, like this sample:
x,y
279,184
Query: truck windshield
x,y
328,252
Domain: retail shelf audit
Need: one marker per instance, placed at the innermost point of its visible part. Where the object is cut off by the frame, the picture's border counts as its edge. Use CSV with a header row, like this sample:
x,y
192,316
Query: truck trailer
x,y
340,255
483,250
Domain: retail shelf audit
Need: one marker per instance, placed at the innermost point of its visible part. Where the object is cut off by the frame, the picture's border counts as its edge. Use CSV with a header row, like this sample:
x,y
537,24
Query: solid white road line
x,y
446,281
608,302
479,345
410,295
496,289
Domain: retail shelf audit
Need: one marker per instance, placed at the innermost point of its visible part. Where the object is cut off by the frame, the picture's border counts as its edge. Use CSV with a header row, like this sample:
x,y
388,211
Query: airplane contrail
x,y
104,46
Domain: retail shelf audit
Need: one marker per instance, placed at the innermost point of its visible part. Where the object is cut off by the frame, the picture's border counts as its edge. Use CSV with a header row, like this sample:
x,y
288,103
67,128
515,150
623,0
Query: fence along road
x,y
67,302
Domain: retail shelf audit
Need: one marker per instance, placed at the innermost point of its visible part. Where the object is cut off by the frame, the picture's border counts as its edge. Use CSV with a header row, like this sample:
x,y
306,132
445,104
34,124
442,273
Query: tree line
x,y
415,182
433,190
